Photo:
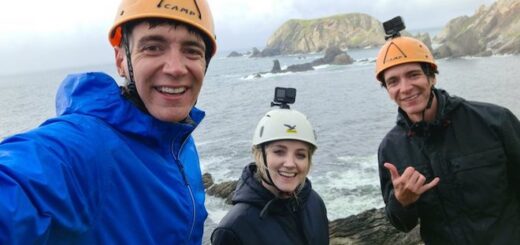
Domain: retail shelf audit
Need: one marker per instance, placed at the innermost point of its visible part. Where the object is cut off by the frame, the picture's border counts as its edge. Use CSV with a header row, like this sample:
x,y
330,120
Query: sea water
x,y
349,110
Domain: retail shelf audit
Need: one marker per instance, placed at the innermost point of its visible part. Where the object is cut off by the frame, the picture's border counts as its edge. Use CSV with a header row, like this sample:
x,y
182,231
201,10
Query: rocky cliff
x,y
491,30
345,31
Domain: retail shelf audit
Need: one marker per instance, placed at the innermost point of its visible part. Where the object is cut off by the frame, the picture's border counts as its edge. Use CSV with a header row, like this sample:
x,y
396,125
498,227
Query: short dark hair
x,y
428,69
154,22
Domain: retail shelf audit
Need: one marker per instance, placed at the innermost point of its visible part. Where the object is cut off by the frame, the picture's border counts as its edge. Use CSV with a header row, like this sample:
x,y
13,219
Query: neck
x,y
275,191
428,114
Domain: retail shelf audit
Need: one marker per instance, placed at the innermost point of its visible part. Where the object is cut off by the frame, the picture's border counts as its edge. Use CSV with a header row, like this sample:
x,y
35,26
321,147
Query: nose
x,y
290,161
174,63
405,86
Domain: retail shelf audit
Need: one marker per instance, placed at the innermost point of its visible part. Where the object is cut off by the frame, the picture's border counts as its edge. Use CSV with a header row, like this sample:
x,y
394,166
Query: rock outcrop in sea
x,y
368,227
333,56
345,31
491,30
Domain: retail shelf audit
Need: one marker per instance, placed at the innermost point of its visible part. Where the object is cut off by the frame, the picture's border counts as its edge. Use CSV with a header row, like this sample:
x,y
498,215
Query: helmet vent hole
x,y
122,12
261,131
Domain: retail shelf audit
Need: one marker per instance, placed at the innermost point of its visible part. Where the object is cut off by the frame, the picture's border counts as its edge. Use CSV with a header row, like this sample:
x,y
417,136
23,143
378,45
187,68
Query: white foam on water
x,y
351,191
321,67
212,165
217,208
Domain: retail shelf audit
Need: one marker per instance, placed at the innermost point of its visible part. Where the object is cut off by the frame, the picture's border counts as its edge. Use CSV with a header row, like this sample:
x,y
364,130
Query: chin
x,y
171,116
288,188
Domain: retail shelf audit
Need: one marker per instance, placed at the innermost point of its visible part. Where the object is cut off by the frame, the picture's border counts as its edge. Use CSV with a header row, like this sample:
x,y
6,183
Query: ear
x,y
120,58
433,81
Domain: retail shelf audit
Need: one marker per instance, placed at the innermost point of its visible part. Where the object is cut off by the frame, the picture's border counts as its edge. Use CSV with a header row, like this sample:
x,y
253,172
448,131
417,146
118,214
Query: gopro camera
x,y
393,27
283,97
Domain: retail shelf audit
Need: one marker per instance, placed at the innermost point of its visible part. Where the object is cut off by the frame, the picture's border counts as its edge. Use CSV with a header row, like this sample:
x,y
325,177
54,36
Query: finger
x,y
408,173
430,185
412,183
418,183
392,169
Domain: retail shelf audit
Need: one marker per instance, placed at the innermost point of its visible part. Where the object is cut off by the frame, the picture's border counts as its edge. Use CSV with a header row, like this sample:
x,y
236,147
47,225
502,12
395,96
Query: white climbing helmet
x,y
284,124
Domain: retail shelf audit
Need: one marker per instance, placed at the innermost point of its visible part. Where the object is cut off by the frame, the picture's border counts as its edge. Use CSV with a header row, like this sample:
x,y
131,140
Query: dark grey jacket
x,y
257,217
474,148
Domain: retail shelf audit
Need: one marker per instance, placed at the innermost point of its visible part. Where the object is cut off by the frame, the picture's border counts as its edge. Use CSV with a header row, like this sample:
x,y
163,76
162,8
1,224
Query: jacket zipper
x,y
185,178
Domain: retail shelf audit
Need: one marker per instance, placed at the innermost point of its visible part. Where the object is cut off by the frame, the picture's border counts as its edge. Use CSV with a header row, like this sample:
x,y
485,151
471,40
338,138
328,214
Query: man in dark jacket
x,y
449,164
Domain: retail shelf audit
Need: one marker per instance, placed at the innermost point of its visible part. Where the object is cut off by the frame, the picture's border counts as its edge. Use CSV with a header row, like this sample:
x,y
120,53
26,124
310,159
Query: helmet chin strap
x,y
126,46
270,180
130,89
429,104
430,101
422,127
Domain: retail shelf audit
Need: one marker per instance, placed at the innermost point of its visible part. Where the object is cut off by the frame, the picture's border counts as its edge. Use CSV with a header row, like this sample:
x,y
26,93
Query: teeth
x,y
170,90
287,174
411,97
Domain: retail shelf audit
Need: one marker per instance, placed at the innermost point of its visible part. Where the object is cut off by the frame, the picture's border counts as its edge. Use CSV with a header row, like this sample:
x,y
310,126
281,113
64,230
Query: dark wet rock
x,y
299,68
369,227
255,53
333,55
276,67
223,190
235,54
207,180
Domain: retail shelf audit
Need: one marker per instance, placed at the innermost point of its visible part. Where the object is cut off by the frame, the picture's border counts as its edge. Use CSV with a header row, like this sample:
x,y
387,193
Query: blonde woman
x,y
274,202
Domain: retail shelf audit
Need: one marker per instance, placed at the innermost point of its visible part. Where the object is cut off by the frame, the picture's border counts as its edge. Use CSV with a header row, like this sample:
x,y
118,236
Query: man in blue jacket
x,y
118,165
450,165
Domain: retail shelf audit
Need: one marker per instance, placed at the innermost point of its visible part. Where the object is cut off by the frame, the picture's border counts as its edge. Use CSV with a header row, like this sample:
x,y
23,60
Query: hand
x,y
409,186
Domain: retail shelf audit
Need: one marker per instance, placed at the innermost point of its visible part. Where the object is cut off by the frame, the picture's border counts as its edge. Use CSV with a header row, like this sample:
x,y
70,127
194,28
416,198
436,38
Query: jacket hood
x,y
98,95
250,190
446,105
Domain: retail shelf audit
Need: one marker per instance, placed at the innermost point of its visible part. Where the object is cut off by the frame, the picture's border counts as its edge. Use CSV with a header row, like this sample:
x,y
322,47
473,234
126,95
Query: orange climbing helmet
x,y
400,50
195,13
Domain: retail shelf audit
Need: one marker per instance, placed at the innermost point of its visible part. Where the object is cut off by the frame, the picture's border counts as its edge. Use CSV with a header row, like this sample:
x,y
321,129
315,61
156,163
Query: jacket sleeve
x,y
402,218
224,236
509,130
39,189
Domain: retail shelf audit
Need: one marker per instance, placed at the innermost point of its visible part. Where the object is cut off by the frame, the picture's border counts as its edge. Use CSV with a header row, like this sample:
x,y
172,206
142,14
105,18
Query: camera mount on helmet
x,y
283,97
393,27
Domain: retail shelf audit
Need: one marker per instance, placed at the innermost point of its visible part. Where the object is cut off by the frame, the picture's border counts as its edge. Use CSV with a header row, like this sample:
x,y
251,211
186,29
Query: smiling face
x,y
288,162
410,88
169,64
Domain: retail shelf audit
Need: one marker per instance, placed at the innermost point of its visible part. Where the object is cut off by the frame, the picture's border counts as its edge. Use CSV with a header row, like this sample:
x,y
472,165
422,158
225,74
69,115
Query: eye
x,y
301,156
279,152
391,82
151,49
416,75
194,52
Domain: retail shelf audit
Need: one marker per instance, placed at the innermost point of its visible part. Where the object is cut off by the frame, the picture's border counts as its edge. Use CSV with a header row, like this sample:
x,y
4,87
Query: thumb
x,y
393,170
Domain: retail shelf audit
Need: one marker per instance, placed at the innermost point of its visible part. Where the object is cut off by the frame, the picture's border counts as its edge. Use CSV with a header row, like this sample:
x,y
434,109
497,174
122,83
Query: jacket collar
x,y
98,95
445,105
250,190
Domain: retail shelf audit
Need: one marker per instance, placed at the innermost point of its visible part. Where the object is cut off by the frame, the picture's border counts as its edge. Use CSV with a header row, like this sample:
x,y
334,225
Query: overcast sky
x,y
39,35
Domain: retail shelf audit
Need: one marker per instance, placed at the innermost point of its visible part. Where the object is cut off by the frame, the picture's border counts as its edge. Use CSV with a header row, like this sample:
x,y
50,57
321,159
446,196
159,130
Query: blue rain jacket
x,y
101,172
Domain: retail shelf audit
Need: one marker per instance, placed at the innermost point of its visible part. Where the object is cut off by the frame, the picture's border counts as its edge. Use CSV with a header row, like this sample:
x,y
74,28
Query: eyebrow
x,y
405,73
159,38
145,39
195,43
